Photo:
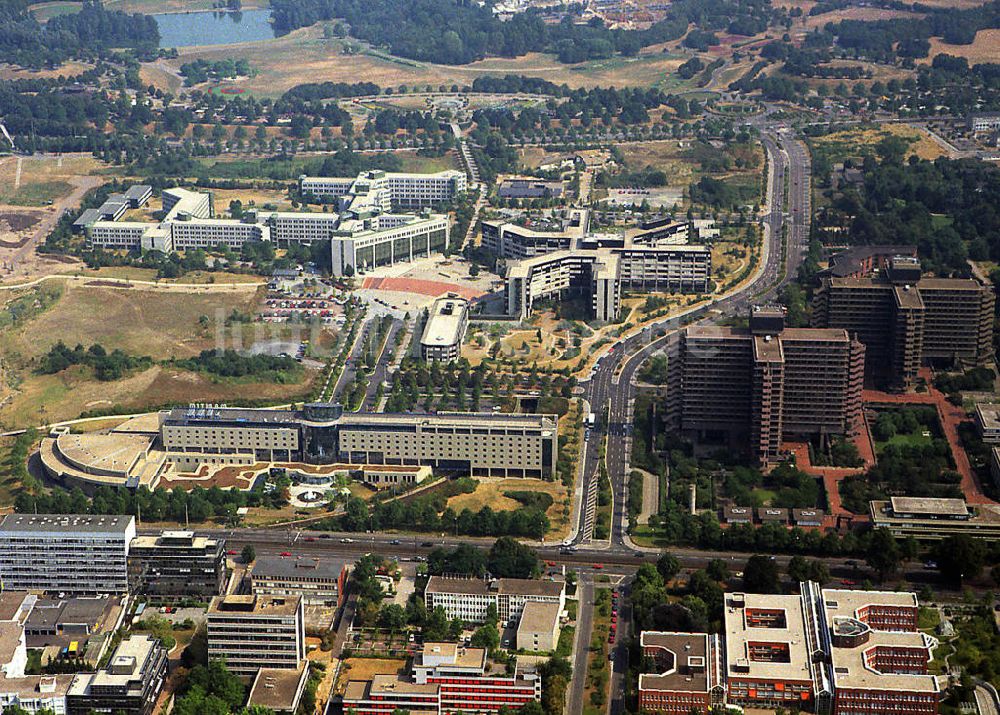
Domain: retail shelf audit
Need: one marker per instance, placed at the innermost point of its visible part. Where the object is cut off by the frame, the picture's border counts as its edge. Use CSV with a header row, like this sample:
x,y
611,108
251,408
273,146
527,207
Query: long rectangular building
x,y
178,564
468,599
762,383
69,553
401,190
478,444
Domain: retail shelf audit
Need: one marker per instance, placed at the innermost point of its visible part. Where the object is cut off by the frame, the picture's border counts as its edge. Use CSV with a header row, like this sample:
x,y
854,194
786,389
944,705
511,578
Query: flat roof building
x,y
128,685
320,581
468,599
254,632
69,553
938,518
279,689
477,444
446,678
177,563
823,650
906,320
444,331
987,417
684,679
538,627
761,383
36,692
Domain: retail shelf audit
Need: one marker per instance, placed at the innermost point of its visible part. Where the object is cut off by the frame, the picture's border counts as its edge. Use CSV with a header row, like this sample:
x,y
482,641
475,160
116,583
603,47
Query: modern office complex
x,y
447,321
254,632
759,384
446,678
363,234
686,674
827,651
906,320
178,564
65,553
385,189
562,258
128,685
468,599
930,519
367,242
538,627
471,443
320,582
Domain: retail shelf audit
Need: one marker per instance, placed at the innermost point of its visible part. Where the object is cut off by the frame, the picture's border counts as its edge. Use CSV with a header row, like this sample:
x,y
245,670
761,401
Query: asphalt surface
x,y
614,396
581,646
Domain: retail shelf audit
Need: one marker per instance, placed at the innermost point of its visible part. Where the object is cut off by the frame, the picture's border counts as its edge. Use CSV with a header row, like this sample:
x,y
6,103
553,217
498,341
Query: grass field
x,y
44,179
148,274
986,48
858,141
161,325
426,164
490,492
305,55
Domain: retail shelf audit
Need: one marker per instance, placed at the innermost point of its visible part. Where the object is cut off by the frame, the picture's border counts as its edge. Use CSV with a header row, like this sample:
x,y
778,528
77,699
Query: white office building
x,y
65,553
381,188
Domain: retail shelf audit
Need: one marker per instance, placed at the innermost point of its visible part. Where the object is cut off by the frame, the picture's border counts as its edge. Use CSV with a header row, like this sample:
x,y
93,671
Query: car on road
x,y
345,540
427,544
231,552
550,564
848,582
309,538
285,553
394,542
598,566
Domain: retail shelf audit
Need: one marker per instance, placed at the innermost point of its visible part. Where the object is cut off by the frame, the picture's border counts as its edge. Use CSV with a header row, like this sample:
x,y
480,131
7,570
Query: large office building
x,y
446,678
65,553
128,685
447,321
477,444
469,599
686,676
371,241
561,258
320,582
364,233
254,632
827,651
388,189
906,320
178,564
932,519
758,384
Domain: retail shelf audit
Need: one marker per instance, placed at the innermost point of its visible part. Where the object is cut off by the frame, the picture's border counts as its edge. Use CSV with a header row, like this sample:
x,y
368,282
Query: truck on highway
x,y
591,419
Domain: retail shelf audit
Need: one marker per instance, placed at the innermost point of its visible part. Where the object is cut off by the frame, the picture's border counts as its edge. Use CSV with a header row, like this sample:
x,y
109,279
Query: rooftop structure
x,y
255,632
320,581
445,329
93,460
177,563
932,519
278,689
129,684
988,421
683,677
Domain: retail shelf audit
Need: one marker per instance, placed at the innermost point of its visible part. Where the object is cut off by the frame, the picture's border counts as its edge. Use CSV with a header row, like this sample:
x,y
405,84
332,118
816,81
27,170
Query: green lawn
x,y
39,193
917,438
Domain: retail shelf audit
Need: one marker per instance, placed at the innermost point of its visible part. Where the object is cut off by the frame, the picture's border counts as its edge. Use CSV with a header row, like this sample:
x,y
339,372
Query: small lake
x,y
183,29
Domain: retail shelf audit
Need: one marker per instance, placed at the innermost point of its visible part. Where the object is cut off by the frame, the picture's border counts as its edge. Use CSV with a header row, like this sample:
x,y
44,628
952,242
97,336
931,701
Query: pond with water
x,y
184,29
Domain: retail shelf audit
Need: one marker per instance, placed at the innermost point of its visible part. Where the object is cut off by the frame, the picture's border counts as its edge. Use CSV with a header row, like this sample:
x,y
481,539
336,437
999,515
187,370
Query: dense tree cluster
x,y
430,513
885,40
507,558
202,70
24,41
176,505
312,91
947,208
229,363
107,366
459,32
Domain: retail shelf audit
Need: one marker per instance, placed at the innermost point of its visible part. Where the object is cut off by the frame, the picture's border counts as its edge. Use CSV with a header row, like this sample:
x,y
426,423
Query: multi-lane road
x,y
610,389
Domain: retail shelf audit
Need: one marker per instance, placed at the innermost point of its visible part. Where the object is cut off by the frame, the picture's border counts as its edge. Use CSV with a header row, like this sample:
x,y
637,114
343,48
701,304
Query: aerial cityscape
x,y
482,357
